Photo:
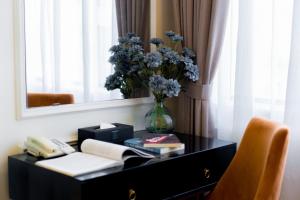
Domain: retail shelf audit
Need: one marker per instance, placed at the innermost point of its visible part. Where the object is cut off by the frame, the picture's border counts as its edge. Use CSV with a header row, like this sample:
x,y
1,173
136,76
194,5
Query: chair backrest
x,y
257,169
48,99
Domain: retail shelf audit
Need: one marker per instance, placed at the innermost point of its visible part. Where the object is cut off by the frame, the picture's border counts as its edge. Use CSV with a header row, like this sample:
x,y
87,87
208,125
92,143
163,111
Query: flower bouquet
x,y
163,71
128,60
170,68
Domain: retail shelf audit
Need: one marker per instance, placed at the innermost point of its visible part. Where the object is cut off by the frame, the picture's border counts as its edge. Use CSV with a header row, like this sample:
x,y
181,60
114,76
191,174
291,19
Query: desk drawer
x,y
162,180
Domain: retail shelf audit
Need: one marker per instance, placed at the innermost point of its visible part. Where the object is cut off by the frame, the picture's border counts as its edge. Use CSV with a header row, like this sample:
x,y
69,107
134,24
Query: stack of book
x,y
157,143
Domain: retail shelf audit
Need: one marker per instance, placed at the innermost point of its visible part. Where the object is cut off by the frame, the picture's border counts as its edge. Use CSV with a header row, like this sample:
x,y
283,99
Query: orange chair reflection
x,y
48,99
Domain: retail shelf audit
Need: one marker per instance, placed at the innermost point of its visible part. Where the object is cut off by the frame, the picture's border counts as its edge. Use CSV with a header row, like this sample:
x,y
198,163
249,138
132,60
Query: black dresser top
x,y
193,144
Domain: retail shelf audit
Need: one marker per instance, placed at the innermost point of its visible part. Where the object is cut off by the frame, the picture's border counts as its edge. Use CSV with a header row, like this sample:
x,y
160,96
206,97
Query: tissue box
x,y
117,135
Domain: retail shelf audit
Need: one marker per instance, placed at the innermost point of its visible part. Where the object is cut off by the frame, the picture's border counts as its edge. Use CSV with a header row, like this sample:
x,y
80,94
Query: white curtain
x,y
259,75
67,47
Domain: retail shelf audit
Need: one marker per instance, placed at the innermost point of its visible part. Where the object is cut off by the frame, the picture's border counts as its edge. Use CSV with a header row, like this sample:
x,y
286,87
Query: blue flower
x,y
192,72
113,59
188,52
172,88
135,41
135,49
170,34
172,56
176,38
118,57
164,50
115,48
157,83
138,57
130,35
123,40
173,36
133,66
113,81
156,41
133,69
122,67
187,60
153,59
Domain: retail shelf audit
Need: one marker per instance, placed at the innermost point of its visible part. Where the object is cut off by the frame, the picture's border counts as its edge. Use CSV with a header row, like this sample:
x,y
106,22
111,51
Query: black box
x,y
117,135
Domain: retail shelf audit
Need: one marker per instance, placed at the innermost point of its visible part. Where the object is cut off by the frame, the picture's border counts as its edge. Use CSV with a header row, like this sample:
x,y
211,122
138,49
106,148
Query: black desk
x,y
167,177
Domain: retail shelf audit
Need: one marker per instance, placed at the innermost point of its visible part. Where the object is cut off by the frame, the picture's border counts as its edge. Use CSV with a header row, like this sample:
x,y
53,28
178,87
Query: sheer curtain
x,y
252,76
259,74
67,45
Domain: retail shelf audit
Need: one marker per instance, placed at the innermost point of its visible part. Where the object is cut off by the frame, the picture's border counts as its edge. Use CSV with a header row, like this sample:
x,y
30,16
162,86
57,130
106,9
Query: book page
x,y
103,149
111,151
78,163
96,155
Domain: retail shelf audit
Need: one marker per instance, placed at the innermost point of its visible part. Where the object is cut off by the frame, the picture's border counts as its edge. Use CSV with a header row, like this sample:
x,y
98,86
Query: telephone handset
x,y
47,148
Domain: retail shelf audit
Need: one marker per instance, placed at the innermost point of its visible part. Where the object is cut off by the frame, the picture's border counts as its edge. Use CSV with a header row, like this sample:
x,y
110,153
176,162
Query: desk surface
x,y
192,144
200,153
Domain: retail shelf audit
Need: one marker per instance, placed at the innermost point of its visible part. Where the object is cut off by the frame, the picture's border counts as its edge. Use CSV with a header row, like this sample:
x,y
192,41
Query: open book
x,y
96,155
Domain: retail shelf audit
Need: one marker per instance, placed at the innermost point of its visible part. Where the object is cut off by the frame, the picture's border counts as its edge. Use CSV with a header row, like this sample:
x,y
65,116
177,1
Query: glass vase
x,y
159,119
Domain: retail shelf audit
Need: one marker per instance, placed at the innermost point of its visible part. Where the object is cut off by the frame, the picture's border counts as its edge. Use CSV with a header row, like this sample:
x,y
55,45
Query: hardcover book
x,y
162,140
138,144
162,148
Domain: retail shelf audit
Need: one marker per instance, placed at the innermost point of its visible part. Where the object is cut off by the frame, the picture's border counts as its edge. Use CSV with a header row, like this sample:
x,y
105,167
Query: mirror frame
x,y
20,75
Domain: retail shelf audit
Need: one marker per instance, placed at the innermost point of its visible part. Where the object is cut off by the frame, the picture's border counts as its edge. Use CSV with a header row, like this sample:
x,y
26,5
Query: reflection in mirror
x,y
67,47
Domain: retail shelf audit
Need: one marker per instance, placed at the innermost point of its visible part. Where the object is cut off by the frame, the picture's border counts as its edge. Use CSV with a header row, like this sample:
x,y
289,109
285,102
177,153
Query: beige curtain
x,y
202,23
134,16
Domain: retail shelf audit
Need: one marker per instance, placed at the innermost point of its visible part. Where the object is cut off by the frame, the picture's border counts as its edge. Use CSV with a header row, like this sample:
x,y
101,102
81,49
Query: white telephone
x,y
41,146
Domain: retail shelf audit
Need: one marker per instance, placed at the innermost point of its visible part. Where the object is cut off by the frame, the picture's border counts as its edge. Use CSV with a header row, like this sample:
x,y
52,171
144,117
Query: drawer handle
x,y
206,173
132,194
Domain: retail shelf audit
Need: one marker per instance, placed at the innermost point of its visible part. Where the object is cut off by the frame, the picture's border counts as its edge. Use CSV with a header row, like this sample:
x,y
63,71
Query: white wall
x,y
13,132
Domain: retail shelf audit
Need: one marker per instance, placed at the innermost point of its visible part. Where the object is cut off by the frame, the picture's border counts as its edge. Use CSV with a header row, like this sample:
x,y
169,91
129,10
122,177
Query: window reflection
x,y
67,44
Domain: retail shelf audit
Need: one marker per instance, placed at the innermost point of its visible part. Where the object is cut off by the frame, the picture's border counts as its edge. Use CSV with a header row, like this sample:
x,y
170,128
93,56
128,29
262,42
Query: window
x,y
67,47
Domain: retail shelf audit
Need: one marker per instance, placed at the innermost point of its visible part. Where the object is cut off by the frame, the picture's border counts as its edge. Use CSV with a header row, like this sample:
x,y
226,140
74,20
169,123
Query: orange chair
x,y
48,99
257,169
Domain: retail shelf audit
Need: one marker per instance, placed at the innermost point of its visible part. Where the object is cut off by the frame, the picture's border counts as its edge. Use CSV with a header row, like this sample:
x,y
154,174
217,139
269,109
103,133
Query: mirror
x,y
67,46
